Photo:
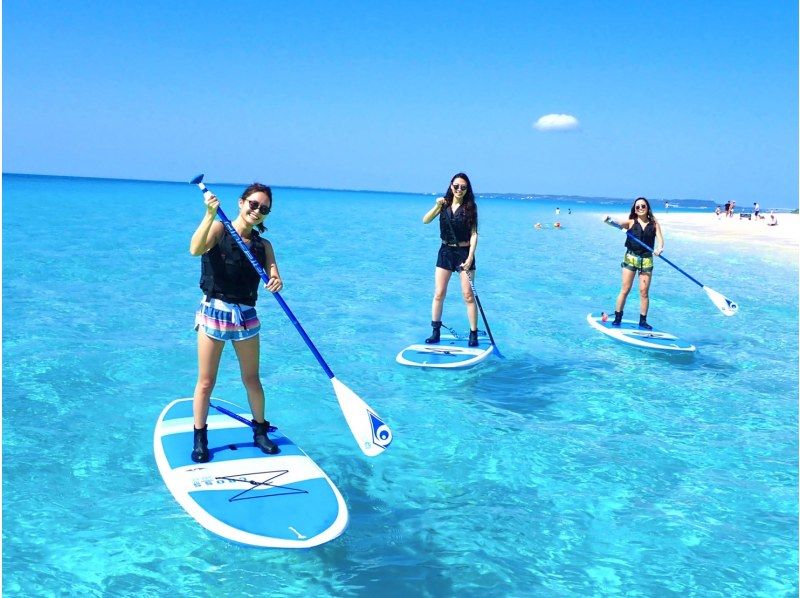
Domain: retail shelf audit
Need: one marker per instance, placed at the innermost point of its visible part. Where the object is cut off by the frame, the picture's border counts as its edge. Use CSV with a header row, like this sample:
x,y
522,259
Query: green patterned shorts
x,y
638,263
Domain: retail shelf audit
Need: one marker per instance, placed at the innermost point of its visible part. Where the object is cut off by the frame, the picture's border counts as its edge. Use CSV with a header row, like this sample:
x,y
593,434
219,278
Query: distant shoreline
x,y
657,203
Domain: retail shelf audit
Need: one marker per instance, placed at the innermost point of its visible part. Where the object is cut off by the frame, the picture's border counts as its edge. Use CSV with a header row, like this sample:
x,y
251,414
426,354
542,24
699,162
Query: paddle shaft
x,y
483,315
229,226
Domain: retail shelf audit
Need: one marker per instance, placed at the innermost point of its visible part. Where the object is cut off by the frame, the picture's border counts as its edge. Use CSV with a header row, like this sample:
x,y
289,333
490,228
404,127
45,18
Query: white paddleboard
x,y
451,352
630,333
242,494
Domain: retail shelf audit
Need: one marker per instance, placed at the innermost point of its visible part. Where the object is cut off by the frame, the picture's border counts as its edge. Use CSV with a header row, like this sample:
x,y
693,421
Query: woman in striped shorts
x,y
227,311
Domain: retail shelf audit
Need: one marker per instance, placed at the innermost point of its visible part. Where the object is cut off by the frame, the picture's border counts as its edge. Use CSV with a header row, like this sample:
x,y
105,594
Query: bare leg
x,y
469,299
441,279
644,292
209,352
627,283
248,352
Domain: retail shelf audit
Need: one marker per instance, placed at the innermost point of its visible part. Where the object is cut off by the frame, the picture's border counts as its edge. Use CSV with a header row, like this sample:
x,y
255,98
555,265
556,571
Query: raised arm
x,y
621,224
434,211
209,230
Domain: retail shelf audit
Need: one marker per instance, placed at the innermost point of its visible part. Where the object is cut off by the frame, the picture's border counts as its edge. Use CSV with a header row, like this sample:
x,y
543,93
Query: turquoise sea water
x,y
576,466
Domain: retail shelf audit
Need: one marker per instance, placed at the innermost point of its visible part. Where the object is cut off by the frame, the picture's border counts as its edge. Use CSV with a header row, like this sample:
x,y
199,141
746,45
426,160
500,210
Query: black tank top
x,y
454,224
646,236
227,274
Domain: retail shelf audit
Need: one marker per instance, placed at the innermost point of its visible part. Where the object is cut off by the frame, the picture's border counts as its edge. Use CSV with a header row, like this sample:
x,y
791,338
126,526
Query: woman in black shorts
x,y
458,228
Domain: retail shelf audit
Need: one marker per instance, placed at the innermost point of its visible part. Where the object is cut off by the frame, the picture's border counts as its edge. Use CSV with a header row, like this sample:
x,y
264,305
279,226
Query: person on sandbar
x,y
772,220
641,224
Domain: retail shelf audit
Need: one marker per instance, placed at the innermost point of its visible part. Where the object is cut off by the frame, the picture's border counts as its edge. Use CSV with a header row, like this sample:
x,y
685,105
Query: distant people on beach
x,y
756,209
642,225
458,229
718,212
558,211
227,311
727,209
666,207
772,220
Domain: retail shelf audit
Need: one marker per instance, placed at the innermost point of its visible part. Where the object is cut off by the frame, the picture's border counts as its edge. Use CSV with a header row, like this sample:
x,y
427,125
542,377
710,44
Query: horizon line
x,y
489,193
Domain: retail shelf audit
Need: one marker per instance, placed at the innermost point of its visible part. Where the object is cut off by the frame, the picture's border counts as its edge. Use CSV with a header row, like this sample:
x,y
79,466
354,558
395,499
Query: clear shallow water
x,y
574,466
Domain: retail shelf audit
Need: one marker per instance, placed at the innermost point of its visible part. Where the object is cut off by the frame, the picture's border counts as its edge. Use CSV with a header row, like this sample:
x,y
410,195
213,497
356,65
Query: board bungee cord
x,y
371,433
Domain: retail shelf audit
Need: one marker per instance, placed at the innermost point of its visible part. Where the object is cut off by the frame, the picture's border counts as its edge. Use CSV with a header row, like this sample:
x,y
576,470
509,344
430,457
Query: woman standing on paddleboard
x,y
227,311
642,225
458,228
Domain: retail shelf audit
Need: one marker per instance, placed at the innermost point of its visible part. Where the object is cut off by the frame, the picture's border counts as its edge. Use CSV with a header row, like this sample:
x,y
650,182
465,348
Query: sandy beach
x,y
739,233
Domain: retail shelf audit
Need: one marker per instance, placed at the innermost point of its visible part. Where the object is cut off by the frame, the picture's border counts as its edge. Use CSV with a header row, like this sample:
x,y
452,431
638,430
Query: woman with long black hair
x,y
458,229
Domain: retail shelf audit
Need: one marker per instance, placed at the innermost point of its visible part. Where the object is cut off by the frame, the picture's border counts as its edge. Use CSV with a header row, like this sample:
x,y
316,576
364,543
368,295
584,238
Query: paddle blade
x,y
371,434
197,180
725,305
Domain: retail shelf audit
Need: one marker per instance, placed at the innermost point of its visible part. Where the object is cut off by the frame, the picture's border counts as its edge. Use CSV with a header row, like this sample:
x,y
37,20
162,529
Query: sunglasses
x,y
254,205
459,187
640,206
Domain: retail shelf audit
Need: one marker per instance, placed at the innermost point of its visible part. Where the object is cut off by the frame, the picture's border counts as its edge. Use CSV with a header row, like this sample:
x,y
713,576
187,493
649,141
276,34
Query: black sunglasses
x,y
459,187
254,205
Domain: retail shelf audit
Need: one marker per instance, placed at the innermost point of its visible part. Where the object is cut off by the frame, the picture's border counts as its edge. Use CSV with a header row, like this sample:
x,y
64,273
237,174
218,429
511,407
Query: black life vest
x,y
453,228
646,236
227,274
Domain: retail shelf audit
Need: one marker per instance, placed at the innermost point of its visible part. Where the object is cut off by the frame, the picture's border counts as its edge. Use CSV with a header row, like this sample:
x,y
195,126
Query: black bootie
x,y
643,322
617,318
200,452
434,337
261,440
473,338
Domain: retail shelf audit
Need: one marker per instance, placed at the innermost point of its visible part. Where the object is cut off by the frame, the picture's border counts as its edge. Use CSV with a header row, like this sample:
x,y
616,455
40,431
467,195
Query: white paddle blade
x,y
725,305
369,430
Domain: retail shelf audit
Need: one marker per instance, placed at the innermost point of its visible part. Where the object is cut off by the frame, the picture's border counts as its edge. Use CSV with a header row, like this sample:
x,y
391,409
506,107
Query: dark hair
x,y
258,188
650,216
468,205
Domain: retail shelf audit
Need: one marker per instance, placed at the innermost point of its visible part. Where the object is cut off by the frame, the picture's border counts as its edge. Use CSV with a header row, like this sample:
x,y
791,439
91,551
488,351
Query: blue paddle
x,y
369,430
483,315
725,305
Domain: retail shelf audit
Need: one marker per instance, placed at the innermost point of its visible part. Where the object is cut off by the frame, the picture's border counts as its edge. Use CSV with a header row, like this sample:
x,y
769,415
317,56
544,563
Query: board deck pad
x,y
451,352
630,333
244,495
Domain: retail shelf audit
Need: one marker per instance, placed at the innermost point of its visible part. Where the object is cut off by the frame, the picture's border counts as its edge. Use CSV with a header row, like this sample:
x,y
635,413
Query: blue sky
x,y
673,99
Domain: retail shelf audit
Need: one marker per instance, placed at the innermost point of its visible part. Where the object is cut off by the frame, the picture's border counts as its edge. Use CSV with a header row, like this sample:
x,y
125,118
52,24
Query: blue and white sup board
x,y
242,494
630,333
451,352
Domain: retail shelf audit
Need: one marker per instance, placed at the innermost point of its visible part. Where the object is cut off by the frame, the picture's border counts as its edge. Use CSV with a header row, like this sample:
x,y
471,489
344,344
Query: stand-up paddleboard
x,y
451,352
630,333
242,494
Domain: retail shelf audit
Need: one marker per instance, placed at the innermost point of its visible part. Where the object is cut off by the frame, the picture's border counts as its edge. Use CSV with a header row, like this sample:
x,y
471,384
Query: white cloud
x,y
556,122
